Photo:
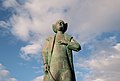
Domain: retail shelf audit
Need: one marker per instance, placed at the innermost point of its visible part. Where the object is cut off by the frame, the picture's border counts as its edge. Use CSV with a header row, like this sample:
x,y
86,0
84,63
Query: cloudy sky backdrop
x,y
24,25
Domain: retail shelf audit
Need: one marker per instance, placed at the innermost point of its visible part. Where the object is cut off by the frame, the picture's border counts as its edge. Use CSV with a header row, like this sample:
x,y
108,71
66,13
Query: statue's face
x,y
60,25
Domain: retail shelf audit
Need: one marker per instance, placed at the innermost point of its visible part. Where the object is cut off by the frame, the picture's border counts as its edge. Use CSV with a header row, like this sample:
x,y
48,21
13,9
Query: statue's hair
x,y
65,27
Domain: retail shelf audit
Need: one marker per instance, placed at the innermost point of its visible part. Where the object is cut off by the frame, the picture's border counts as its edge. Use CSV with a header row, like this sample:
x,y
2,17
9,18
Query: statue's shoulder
x,y
49,38
68,37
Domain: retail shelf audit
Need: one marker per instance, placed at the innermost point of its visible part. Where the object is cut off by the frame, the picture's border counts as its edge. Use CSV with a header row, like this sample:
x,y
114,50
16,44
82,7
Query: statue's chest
x,y
58,48
59,38
57,42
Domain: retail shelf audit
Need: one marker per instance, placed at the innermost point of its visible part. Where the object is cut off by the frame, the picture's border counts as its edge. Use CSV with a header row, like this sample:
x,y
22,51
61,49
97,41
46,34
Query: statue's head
x,y
60,25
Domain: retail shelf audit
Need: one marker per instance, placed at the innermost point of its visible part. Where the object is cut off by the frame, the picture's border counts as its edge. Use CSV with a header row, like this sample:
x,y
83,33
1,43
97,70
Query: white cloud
x,y
94,17
39,78
98,80
117,47
5,74
30,51
103,62
13,79
37,16
4,24
10,3
87,18
105,65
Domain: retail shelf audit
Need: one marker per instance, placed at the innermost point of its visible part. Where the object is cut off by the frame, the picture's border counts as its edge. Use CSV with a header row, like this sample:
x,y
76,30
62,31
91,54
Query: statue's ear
x,y
65,27
54,28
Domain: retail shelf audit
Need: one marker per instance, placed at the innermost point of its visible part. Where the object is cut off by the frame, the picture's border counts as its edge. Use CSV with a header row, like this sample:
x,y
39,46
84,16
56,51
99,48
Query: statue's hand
x,y
63,42
46,67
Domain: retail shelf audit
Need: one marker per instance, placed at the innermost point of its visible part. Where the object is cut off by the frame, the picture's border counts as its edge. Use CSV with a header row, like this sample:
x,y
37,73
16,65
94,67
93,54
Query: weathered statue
x,y
57,54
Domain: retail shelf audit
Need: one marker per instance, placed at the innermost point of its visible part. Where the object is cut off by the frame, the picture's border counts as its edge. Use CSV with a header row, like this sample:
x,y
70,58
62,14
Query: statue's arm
x,y
45,53
74,45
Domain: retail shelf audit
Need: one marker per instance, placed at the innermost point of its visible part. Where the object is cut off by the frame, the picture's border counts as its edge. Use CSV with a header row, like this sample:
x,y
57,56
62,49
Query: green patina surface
x,y
57,54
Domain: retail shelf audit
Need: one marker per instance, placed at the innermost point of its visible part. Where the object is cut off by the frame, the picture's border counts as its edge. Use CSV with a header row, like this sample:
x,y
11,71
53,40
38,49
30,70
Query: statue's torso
x,y
59,57
60,60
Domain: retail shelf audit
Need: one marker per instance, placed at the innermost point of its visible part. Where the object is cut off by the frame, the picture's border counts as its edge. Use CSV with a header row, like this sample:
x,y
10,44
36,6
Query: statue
x,y
57,54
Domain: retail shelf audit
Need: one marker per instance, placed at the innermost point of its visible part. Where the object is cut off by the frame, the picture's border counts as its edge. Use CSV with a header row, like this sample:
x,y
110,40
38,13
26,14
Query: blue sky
x,y
24,25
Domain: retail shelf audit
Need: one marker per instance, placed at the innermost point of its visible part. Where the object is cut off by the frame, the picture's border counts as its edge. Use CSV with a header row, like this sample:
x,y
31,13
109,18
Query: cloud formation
x,y
104,62
4,24
31,22
39,78
34,18
5,74
29,51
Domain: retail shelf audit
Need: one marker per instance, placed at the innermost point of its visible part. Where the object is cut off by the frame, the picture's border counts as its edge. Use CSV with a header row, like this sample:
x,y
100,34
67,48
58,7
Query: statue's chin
x,y
60,28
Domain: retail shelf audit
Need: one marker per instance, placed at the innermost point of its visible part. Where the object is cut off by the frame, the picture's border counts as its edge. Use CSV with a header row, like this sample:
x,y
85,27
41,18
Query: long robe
x,y
61,59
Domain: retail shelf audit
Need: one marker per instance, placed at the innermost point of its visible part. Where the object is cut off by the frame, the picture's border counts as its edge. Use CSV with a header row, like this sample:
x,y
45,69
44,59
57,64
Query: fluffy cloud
x,y
5,74
39,78
32,20
30,50
88,18
102,64
105,65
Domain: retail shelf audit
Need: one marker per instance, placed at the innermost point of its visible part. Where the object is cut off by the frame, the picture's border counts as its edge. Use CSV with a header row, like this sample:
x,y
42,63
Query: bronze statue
x,y
57,54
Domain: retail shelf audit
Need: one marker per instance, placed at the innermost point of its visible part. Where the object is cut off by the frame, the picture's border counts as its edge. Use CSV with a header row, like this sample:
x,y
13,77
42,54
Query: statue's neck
x,y
59,36
60,33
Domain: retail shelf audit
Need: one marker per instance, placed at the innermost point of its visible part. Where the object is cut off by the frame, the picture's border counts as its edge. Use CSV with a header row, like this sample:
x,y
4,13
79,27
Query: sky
x,y
25,24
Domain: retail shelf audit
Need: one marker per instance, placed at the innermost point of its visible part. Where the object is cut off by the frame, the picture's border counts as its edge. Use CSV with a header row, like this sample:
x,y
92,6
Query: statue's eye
x,y
61,22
